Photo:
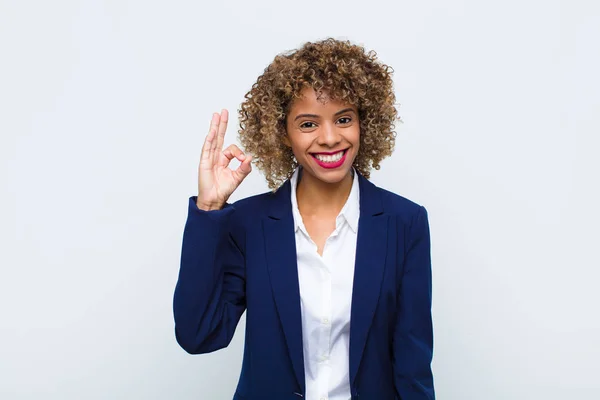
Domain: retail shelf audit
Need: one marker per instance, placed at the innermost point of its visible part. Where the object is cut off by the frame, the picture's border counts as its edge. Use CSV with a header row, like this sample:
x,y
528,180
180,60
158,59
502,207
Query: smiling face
x,y
324,137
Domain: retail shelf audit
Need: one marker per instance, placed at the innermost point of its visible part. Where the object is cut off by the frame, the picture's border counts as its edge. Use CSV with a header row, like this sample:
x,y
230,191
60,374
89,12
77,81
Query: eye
x,y
303,125
347,119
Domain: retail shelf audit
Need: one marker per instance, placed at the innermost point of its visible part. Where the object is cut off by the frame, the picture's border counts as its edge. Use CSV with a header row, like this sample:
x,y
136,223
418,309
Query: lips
x,y
330,160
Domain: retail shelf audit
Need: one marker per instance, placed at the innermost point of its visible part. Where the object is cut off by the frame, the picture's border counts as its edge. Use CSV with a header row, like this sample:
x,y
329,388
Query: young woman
x,y
333,272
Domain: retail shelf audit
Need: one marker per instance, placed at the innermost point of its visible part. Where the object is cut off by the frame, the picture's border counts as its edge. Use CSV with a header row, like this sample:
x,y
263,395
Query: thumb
x,y
244,168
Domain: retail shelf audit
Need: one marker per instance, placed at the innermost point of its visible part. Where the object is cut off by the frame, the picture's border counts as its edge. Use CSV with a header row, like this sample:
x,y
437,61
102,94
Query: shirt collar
x,y
350,212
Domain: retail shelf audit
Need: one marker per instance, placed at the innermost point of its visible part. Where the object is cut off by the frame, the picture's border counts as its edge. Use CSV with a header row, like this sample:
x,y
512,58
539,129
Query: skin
x,y
321,192
216,181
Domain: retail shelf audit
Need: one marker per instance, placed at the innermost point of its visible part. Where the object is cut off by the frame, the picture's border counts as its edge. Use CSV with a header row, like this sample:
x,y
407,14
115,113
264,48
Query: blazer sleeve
x,y
413,334
210,296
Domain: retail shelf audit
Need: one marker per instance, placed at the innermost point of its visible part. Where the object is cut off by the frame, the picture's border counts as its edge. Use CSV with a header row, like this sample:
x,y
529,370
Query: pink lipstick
x,y
332,164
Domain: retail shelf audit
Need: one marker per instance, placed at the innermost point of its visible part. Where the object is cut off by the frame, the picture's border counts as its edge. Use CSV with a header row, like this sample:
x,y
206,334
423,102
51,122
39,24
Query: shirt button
x,y
325,320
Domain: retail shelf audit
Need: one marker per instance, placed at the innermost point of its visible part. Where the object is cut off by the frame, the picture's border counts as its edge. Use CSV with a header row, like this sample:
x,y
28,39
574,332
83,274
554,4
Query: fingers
x,y
244,169
208,149
245,166
224,118
214,126
230,153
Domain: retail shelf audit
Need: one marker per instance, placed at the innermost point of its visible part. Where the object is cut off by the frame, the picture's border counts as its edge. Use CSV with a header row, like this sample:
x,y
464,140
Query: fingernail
x,y
242,156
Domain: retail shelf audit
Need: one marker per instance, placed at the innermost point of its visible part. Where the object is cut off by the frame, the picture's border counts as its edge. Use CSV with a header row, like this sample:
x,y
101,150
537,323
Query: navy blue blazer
x,y
243,258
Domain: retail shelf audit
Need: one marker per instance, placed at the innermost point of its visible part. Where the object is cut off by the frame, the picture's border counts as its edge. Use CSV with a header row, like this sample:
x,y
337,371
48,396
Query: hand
x,y
216,181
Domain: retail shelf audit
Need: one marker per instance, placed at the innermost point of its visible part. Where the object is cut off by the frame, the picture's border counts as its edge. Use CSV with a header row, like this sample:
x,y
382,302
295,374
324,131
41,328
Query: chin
x,y
333,177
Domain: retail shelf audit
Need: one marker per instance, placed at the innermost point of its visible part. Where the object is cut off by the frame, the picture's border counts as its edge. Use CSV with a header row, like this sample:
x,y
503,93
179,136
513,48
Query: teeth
x,y
330,158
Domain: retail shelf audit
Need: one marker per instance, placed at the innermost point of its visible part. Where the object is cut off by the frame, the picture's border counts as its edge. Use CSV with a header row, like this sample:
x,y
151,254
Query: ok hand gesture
x,y
216,181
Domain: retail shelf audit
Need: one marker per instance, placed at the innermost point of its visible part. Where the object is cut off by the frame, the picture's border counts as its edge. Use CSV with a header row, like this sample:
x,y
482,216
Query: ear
x,y
286,140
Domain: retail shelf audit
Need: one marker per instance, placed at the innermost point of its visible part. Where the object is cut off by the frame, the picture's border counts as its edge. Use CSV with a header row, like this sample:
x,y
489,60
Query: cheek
x,y
299,143
356,137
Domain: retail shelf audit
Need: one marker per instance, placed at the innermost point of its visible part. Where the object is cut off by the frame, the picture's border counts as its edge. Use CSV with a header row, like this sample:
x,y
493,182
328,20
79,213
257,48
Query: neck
x,y
316,197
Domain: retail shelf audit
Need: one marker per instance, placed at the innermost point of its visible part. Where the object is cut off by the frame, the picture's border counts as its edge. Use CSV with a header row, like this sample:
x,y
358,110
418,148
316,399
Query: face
x,y
324,137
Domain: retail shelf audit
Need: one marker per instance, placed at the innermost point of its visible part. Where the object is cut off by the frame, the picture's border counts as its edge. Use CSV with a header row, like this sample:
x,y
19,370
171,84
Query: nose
x,y
329,135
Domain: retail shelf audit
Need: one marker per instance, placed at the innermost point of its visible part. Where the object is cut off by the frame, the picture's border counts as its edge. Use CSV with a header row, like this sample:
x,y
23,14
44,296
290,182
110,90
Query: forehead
x,y
309,102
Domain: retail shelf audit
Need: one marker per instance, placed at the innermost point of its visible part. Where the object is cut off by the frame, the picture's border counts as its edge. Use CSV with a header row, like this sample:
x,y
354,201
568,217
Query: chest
x,y
325,278
287,282
319,230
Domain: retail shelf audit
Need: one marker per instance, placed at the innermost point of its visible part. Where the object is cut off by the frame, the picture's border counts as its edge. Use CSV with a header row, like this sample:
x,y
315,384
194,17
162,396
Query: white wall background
x,y
104,106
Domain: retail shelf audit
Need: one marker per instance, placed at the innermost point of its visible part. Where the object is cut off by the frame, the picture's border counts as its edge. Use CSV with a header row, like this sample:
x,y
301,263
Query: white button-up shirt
x,y
325,299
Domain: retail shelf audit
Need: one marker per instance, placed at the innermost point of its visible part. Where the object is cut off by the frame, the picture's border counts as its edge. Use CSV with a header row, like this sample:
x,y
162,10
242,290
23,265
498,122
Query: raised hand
x,y
216,181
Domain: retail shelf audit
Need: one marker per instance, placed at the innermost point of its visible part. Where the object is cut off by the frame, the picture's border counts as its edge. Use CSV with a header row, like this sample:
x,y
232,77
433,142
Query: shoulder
x,y
253,203
252,207
411,218
243,216
403,208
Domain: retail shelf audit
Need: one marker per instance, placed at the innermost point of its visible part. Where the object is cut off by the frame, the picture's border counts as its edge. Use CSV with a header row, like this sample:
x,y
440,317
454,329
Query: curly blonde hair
x,y
348,74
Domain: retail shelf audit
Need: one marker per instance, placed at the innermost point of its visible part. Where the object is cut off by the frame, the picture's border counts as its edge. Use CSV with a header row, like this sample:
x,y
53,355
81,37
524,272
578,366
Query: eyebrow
x,y
318,116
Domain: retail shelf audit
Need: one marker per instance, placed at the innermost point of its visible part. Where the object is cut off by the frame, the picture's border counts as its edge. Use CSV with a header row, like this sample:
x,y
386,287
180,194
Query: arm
x,y
413,335
210,294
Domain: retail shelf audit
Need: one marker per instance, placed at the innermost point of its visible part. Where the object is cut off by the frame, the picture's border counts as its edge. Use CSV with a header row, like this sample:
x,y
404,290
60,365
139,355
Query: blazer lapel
x,y
371,248
280,242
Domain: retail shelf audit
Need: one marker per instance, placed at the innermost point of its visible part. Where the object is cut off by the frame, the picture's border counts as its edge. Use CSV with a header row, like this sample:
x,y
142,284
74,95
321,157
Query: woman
x,y
333,272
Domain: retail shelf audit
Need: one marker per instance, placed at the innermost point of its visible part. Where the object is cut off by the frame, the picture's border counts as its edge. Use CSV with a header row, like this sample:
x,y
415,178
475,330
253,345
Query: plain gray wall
x,y
104,106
